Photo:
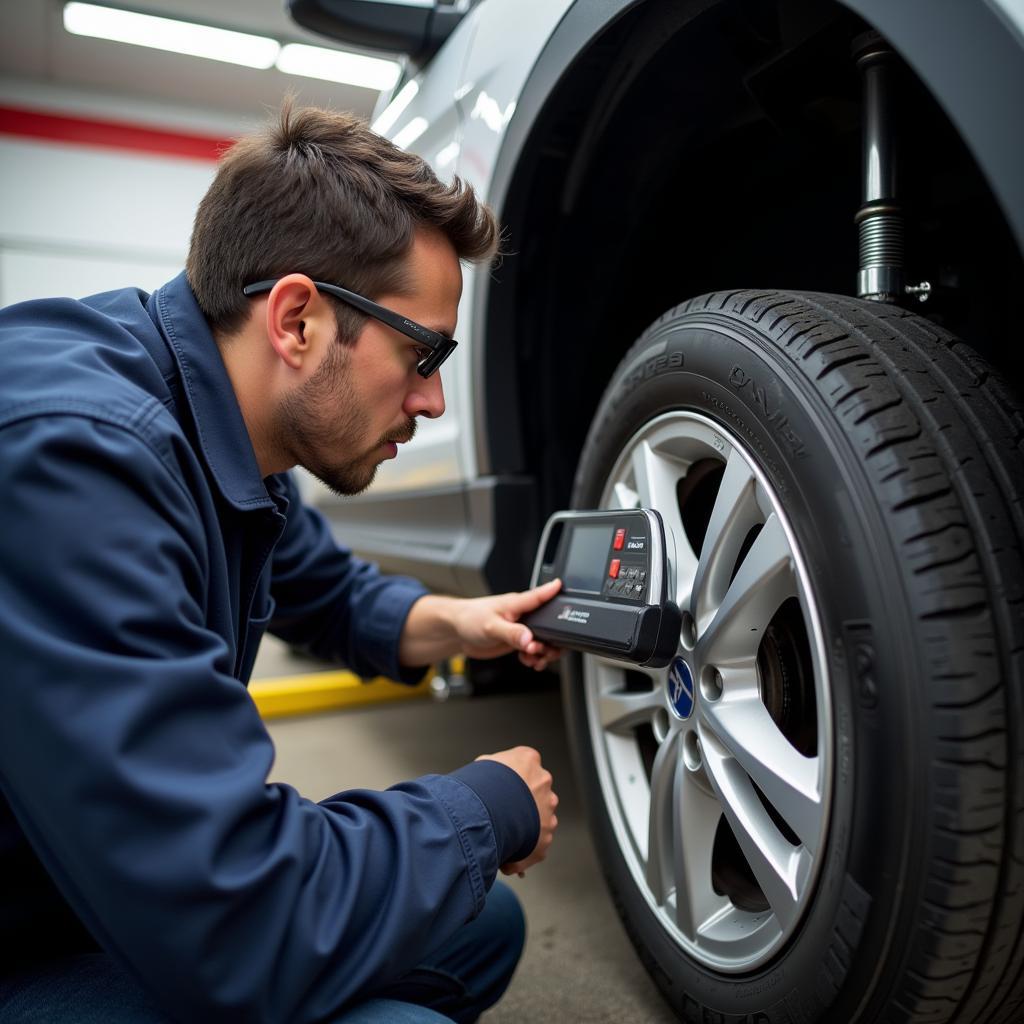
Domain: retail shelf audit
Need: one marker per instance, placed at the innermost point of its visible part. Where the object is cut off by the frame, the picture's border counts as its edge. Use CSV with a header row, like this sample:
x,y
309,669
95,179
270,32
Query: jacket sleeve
x,y
333,604
136,765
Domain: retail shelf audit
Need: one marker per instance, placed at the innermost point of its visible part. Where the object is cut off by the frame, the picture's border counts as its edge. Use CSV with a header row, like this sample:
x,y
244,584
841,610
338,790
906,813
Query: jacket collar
x,y
223,439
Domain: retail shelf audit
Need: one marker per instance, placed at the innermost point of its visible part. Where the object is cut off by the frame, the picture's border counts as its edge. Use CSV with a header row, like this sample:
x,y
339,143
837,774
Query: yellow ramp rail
x,y
327,691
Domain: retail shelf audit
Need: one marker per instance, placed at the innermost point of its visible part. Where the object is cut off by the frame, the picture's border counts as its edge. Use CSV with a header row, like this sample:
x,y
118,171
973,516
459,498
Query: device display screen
x,y
585,564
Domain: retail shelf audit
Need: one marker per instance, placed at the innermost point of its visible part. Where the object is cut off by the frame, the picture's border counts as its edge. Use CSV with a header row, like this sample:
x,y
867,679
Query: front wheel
x,y
813,813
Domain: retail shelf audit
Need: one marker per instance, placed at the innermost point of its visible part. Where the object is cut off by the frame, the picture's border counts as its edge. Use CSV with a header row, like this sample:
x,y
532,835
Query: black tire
x,y
898,457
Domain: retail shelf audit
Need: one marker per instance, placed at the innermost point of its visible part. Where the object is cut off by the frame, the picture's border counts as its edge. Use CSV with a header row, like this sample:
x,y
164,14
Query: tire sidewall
x,y
729,373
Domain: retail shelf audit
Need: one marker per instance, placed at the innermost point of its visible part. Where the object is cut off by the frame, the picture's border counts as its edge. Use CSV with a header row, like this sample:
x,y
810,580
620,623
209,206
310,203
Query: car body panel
x,y
508,38
478,103
460,108
430,124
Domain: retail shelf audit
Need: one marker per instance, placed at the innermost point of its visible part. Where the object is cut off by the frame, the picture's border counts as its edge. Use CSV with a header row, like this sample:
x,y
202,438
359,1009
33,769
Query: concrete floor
x,y
578,965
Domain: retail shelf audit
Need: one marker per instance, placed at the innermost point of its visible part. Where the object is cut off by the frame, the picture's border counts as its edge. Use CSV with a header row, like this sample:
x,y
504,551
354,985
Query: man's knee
x,y
502,919
482,956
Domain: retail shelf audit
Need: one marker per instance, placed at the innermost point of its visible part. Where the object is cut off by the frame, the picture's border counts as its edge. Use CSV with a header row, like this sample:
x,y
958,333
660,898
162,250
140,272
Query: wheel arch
x,y
546,319
980,97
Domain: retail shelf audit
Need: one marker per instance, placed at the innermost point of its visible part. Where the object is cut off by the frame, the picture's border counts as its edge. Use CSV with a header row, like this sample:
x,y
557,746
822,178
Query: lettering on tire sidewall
x,y
745,382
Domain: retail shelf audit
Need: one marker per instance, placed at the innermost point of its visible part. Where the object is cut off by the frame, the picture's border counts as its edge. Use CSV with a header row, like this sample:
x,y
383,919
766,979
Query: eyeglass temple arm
x,y
382,313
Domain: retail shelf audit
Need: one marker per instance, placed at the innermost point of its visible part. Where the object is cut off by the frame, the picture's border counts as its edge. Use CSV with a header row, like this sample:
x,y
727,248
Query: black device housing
x,y
615,575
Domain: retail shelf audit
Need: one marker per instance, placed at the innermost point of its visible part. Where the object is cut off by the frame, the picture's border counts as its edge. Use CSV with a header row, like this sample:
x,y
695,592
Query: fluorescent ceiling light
x,y
338,66
168,34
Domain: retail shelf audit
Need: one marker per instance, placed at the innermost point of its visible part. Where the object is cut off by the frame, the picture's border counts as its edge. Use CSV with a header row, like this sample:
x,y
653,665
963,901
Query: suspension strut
x,y
880,218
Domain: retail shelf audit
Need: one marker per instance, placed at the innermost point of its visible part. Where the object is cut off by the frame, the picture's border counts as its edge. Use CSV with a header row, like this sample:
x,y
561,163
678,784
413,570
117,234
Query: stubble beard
x,y
304,422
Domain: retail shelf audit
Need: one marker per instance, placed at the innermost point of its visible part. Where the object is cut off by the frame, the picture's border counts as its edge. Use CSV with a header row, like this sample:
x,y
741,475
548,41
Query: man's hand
x,y
480,627
525,762
489,626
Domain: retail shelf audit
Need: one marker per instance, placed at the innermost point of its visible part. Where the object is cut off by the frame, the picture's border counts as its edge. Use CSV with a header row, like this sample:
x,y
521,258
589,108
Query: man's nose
x,y
426,397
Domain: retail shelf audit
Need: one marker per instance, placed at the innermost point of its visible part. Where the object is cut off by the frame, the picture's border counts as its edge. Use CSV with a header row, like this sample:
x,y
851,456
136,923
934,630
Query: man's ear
x,y
297,317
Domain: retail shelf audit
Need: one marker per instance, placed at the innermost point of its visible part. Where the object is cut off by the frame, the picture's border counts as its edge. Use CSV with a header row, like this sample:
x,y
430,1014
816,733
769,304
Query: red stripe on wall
x,y
87,131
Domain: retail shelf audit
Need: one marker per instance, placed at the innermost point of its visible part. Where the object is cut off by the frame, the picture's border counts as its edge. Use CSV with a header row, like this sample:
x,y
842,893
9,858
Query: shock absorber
x,y
880,219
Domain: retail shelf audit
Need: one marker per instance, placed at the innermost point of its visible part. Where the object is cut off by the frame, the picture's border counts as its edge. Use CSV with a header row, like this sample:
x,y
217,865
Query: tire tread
x,y
940,436
935,387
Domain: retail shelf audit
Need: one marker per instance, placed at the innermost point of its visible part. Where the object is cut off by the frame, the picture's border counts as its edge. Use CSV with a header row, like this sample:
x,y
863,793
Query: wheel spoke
x,y
646,469
693,830
780,869
763,582
656,476
625,497
621,711
667,764
787,778
734,514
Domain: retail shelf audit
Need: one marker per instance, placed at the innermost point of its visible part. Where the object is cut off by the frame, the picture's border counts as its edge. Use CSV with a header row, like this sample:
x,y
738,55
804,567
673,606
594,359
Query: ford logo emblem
x,y
680,688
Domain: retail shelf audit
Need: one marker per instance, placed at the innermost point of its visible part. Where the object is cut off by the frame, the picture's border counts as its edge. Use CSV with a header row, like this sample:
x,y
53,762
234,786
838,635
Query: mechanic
x,y
151,534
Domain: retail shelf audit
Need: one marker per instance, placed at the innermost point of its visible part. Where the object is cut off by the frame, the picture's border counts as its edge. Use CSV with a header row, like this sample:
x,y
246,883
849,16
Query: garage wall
x,y
96,193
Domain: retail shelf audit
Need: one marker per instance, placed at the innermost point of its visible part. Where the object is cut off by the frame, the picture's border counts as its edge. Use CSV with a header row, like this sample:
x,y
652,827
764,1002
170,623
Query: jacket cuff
x,y
510,804
389,621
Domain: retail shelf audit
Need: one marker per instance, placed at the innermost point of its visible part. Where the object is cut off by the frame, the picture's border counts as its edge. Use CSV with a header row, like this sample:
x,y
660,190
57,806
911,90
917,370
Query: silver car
x,y
762,273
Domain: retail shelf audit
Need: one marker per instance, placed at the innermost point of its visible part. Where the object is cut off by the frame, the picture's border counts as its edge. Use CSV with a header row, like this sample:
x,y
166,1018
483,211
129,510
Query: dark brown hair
x,y
318,193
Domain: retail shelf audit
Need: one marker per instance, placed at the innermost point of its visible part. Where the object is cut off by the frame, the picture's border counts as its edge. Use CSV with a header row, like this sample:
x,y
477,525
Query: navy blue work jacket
x,y
141,559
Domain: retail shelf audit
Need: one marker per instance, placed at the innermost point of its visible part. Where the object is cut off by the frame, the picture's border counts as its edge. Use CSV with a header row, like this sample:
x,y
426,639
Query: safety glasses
x,y
440,345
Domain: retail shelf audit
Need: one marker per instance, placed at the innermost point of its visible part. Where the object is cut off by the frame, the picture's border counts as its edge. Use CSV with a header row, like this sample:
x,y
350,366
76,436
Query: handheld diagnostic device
x,y
614,599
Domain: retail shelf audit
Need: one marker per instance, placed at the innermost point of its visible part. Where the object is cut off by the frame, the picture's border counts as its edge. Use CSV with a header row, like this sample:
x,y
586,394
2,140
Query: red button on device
x,y
620,539
613,569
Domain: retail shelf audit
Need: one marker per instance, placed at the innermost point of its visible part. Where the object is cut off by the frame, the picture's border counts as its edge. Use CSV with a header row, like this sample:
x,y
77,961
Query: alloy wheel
x,y
717,771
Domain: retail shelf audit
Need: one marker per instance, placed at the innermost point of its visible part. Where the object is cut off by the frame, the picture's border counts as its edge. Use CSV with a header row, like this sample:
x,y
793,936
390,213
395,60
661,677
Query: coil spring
x,y
880,240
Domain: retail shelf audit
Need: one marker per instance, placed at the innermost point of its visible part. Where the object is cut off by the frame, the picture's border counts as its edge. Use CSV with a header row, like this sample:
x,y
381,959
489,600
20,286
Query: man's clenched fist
x,y
525,762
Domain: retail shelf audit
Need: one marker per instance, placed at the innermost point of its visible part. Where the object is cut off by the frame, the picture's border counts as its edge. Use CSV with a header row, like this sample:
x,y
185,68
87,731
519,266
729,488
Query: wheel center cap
x,y
680,688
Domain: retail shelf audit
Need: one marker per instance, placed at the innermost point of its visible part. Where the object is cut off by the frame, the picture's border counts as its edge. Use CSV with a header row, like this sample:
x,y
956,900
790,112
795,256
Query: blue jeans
x,y
457,983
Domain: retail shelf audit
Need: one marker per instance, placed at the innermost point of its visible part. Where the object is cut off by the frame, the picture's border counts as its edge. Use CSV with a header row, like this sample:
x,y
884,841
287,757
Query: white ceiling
x,y
36,53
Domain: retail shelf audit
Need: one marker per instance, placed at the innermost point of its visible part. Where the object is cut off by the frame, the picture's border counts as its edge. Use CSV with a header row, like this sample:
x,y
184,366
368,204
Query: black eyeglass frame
x,y
440,345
